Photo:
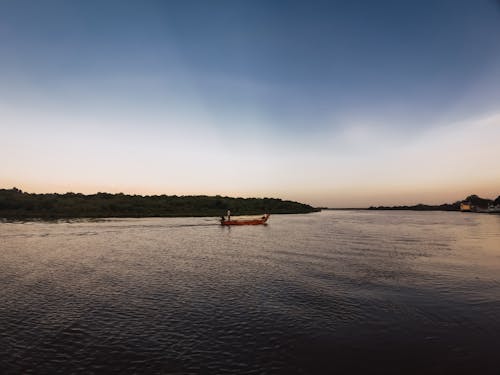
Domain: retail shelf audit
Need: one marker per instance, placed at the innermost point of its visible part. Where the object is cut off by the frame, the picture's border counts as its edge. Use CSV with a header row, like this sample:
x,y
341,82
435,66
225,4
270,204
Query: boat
x,y
256,221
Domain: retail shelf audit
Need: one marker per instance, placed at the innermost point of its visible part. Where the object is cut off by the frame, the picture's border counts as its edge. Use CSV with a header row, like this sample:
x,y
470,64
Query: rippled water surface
x,y
336,291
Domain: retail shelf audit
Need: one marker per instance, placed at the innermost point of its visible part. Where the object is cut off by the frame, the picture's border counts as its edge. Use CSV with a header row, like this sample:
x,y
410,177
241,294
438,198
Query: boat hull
x,y
246,222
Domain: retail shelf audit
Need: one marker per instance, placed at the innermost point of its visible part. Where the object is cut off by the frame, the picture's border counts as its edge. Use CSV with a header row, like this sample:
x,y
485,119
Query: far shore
x,y
18,205
473,203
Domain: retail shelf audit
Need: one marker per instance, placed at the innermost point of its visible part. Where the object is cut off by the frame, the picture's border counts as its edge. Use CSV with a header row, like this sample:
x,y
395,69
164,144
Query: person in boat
x,y
228,215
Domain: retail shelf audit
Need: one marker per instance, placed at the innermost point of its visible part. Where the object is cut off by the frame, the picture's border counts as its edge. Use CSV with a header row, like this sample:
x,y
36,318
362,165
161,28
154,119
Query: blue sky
x,y
330,102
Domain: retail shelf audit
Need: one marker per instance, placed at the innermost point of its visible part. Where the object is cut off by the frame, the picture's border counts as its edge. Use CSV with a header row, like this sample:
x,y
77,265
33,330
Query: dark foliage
x,y
16,204
477,201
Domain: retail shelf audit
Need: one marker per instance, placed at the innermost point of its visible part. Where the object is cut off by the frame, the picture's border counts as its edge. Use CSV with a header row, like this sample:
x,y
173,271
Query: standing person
x,y
228,215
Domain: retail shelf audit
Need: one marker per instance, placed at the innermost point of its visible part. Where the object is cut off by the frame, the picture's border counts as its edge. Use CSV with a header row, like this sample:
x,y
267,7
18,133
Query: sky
x,y
331,103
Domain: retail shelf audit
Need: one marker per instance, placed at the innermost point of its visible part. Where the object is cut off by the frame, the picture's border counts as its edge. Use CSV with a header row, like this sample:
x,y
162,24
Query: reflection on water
x,y
334,291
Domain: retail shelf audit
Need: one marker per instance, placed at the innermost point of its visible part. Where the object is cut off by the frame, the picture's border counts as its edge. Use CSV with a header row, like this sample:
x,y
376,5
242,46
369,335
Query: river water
x,y
329,292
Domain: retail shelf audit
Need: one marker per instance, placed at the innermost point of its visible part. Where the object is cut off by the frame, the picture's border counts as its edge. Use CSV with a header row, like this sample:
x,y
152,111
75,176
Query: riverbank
x,y
16,204
473,203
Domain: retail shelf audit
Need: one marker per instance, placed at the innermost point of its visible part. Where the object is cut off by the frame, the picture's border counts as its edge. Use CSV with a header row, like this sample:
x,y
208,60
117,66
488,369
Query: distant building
x,y
465,207
492,208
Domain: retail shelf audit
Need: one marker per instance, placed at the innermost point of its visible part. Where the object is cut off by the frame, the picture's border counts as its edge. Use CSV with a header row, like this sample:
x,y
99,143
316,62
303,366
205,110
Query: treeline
x,y
472,199
16,204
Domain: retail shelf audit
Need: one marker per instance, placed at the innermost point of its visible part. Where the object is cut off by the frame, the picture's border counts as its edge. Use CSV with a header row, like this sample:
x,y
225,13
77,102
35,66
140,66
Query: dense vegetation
x,y
472,199
16,204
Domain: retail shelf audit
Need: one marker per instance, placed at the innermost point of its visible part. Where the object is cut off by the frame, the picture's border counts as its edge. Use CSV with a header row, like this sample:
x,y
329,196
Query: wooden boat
x,y
258,221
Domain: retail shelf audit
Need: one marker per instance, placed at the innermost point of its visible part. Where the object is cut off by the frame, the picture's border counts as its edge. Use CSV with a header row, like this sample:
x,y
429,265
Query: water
x,y
336,291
